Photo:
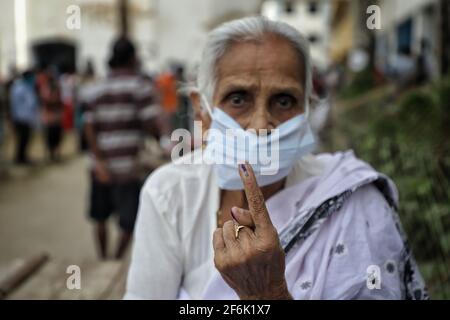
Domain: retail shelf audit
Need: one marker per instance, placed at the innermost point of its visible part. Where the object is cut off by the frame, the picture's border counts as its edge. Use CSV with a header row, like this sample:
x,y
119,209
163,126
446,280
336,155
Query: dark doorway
x,y
61,54
404,36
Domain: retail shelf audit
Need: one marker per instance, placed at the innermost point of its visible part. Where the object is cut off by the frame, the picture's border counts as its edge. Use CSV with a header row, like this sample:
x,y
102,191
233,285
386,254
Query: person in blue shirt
x,y
24,105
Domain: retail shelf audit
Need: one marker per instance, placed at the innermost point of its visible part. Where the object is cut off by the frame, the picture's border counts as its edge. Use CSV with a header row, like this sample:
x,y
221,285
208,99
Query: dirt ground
x,y
43,208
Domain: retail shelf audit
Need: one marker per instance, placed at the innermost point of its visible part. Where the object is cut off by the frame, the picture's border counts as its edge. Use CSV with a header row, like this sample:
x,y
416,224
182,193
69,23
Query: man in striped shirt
x,y
119,111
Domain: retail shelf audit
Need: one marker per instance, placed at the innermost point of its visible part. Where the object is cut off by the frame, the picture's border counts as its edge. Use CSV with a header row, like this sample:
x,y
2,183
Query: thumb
x,y
242,217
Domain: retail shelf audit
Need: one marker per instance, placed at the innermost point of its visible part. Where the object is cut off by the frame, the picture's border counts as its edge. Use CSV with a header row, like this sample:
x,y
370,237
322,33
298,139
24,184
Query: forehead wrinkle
x,y
273,84
259,65
237,82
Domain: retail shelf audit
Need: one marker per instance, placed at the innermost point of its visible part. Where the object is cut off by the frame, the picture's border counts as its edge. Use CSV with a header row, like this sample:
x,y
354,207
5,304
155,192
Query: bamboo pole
x,y
21,274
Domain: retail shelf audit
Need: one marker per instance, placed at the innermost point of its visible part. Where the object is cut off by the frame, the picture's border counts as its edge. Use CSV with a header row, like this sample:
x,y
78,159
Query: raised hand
x,y
251,259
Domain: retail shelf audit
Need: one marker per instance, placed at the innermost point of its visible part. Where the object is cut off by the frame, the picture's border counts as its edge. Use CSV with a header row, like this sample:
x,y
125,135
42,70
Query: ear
x,y
200,114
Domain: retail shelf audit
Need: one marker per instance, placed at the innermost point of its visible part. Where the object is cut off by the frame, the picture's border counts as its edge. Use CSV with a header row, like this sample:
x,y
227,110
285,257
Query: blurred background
x,y
382,88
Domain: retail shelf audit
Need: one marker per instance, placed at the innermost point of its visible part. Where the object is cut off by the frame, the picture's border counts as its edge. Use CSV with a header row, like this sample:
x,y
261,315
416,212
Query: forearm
x,y
151,127
92,141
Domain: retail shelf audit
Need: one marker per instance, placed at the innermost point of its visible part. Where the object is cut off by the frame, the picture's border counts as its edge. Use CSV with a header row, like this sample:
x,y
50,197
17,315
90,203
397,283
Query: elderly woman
x,y
320,227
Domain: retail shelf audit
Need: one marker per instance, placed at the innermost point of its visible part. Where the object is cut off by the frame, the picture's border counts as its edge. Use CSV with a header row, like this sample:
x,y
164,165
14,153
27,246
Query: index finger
x,y
254,196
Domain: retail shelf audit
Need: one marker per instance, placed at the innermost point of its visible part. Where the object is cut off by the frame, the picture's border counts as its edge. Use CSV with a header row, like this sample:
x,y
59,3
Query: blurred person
x,y
13,76
183,115
85,84
24,106
3,105
52,111
166,84
67,82
320,227
119,110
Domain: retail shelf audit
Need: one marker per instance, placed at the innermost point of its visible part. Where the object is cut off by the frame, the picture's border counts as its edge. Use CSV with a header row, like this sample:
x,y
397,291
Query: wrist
x,y
280,292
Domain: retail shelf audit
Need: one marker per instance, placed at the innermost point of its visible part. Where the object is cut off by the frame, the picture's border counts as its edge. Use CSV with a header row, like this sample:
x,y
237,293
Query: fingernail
x,y
244,169
232,214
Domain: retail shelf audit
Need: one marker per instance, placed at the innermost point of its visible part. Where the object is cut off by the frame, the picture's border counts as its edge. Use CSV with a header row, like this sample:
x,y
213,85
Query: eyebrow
x,y
236,86
289,89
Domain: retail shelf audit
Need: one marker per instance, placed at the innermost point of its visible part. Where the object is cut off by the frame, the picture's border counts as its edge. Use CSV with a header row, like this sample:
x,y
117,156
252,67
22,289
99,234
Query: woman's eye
x,y
236,99
284,101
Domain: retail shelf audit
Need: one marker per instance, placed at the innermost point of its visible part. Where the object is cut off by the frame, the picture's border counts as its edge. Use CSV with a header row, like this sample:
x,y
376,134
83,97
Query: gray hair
x,y
248,29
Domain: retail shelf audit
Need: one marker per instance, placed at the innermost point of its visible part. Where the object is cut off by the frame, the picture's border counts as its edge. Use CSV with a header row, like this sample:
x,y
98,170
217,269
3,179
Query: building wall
x,y
311,25
46,20
179,30
142,27
164,30
181,27
99,27
7,40
394,11
342,32
424,26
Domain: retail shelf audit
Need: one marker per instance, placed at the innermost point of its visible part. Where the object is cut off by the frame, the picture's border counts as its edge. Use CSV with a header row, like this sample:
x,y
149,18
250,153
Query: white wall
x,y
7,32
312,24
180,30
98,29
164,30
142,27
395,12
182,26
46,19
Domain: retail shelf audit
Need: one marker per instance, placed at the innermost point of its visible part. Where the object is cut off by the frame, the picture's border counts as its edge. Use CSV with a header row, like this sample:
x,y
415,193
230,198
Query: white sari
x,y
342,238
337,223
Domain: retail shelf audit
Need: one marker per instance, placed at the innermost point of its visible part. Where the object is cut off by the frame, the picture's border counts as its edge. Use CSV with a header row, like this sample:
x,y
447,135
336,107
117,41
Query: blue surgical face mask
x,y
272,156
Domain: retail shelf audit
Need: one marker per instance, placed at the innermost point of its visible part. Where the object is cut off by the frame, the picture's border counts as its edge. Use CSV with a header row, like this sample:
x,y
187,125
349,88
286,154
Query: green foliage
x,y
360,83
409,141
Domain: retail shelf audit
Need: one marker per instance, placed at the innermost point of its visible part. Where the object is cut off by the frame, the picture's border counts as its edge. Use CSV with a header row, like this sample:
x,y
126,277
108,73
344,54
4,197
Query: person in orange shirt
x,y
167,86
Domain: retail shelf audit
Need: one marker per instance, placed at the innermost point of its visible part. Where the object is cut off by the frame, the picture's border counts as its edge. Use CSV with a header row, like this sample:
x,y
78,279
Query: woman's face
x,y
260,84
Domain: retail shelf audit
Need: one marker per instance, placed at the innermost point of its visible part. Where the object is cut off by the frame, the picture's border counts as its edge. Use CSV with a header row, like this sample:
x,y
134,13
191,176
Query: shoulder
x,y
174,191
176,179
91,92
17,84
369,197
368,213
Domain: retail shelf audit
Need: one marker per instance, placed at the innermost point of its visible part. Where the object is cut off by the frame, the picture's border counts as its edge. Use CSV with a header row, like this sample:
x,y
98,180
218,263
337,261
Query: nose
x,y
261,119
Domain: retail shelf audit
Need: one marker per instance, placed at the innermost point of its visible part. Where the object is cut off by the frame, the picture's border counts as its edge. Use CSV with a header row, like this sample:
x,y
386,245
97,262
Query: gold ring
x,y
236,230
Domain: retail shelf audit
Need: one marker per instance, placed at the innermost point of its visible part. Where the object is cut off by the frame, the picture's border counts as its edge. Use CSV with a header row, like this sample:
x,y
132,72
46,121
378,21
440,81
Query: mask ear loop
x,y
205,104
307,112
307,108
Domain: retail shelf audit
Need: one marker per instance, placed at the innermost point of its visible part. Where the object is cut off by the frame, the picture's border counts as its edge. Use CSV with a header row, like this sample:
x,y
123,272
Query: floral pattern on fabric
x,y
305,224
